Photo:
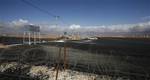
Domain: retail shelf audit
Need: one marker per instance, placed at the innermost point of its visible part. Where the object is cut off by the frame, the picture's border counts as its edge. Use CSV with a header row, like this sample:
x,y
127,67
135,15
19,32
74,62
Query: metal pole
x,y
39,37
58,62
29,34
65,57
34,35
24,37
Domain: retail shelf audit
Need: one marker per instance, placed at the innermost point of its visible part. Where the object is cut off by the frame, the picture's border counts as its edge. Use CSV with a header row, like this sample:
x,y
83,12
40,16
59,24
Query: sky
x,y
82,12
80,15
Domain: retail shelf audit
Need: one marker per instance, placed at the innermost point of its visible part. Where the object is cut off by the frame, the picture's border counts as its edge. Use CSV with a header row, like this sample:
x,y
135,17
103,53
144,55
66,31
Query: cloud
x,y
14,27
119,28
17,26
74,26
138,27
147,18
20,22
141,27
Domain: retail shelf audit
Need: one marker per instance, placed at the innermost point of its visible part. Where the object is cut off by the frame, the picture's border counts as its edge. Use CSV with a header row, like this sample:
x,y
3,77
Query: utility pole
x,y
59,55
34,35
65,56
24,33
29,36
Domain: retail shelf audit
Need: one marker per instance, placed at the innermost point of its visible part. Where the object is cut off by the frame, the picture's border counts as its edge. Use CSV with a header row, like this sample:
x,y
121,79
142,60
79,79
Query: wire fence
x,y
65,57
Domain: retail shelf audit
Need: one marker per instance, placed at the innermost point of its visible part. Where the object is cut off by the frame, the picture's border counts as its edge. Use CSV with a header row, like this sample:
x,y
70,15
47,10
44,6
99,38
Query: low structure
x,y
31,31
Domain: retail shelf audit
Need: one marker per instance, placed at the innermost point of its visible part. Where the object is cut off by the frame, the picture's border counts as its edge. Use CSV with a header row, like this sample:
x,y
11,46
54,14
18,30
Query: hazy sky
x,y
81,12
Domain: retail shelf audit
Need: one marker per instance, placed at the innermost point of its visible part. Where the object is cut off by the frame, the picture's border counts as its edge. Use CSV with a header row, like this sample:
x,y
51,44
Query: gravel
x,y
46,73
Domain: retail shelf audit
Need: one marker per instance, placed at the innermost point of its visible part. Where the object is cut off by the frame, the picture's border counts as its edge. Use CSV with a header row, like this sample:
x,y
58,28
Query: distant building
x,y
93,38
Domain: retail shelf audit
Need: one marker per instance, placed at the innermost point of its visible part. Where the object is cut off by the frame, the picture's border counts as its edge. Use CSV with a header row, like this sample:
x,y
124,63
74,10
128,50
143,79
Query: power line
x,y
38,8
57,18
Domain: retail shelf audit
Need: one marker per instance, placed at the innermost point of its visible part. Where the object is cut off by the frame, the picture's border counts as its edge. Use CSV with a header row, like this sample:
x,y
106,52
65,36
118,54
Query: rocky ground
x,y
49,73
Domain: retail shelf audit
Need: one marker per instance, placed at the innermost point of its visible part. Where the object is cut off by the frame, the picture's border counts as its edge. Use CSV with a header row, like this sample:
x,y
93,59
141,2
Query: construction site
x,y
74,40
124,59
